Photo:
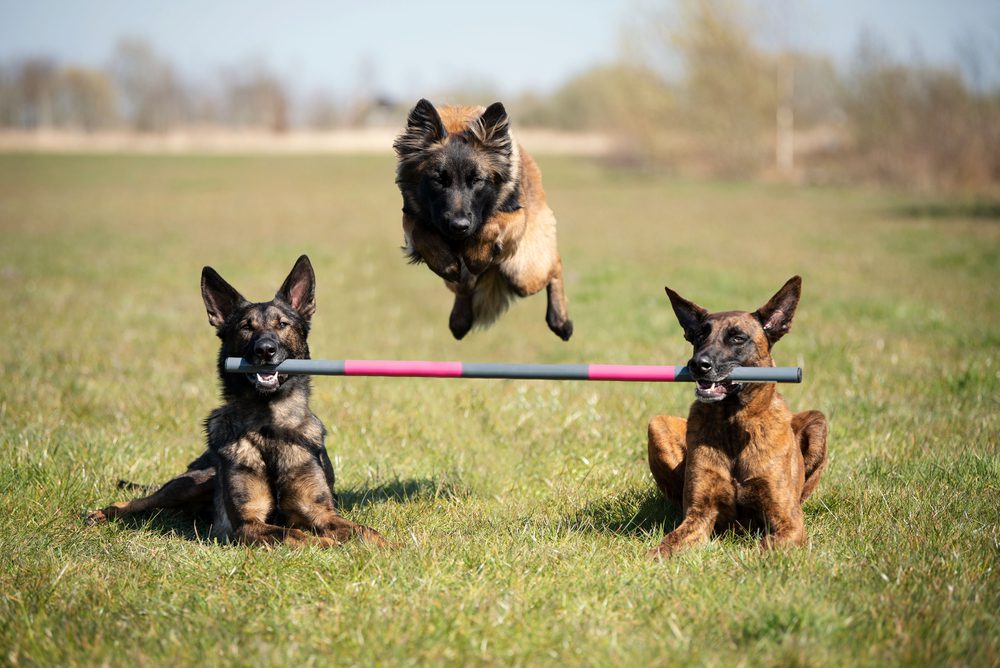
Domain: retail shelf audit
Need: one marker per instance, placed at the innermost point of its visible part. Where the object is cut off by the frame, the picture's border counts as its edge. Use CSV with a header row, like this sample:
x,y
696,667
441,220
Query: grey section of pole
x,y
761,374
293,367
525,371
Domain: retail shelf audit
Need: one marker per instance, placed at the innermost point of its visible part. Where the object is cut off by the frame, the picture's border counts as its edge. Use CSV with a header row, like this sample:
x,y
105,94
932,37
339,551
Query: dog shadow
x,y
400,491
631,513
198,526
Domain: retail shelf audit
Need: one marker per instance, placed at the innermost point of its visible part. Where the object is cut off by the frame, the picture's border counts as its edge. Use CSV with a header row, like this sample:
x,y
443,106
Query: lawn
x,y
520,510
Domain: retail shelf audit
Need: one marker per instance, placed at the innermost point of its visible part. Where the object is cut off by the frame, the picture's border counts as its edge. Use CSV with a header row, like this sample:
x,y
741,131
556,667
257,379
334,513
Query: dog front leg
x,y
709,497
778,505
480,252
341,530
308,504
423,245
190,490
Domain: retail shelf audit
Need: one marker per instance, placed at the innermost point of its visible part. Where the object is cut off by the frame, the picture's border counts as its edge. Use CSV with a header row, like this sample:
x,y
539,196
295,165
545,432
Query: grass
x,y
521,510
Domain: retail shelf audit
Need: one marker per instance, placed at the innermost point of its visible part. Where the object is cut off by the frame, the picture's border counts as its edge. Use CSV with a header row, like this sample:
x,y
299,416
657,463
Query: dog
x,y
741,458
474,211
265,478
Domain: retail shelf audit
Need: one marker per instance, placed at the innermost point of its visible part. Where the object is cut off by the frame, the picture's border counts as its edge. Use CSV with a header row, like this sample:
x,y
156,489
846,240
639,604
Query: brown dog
x,y
741,458
474,210
266,477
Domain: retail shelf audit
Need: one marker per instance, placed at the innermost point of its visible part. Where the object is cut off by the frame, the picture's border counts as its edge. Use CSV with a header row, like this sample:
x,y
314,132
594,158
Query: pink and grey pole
x,y
419,369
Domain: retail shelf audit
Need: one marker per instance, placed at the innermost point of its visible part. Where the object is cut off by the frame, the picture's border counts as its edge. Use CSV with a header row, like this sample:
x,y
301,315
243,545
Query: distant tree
x,y
84,99
255,97
920,126
321,112
34,87
152,97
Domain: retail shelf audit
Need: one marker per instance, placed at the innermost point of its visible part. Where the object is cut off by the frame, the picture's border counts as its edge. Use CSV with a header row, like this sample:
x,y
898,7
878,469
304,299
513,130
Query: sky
x,y
404,48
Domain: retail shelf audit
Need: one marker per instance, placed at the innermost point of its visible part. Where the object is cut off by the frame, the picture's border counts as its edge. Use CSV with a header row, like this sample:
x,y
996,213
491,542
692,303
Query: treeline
x,y
140,90
698,92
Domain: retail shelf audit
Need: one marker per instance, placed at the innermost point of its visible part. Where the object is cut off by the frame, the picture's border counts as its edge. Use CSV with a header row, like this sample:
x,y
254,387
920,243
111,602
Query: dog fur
x,y
265,477
474,211
741,458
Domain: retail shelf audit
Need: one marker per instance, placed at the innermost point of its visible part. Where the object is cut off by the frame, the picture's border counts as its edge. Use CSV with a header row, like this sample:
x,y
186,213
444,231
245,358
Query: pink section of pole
x,y
632,372
402,368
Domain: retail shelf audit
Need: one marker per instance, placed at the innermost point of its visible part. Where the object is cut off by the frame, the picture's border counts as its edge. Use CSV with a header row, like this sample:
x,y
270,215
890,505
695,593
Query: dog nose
x,y
265,350
702,363
459,225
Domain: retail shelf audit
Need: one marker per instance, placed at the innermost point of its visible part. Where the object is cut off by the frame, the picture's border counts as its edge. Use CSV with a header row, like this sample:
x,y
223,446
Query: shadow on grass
x,y
198,526
984,210
411,489
633,513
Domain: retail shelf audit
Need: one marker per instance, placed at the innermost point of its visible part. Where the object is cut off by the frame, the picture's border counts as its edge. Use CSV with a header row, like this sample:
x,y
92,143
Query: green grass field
x,y
521,509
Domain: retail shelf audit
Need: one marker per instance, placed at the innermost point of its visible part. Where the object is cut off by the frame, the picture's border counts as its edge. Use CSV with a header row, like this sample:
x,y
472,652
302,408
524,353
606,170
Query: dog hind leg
x,y
556,312
192,489
667,447
811,431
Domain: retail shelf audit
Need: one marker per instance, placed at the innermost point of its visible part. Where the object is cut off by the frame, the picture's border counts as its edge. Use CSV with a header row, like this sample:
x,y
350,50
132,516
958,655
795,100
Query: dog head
x,y
454,181
724,341
263,333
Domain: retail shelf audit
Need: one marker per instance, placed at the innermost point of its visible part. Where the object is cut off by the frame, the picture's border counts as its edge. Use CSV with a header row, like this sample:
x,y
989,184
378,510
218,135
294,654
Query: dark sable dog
x,y
266,477
741,458
474,210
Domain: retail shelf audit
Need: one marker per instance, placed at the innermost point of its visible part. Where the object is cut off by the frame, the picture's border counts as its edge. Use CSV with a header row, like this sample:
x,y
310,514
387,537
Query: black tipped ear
x,y
423,128
220,298
493,128
299,289
690,315
776,315
425,120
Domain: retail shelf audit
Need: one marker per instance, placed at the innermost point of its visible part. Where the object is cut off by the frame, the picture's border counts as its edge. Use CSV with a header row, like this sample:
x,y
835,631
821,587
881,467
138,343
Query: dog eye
x,y
737,339
282,324
246,326
443,178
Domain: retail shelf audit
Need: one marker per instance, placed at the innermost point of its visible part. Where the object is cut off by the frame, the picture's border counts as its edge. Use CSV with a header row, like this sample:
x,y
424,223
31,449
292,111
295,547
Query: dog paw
x,y
460,323
369,536
660,553
564,329
451,272
95,517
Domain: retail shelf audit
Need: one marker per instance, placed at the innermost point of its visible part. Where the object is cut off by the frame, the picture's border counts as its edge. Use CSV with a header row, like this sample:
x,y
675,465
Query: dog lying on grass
x,y
741,458
266,477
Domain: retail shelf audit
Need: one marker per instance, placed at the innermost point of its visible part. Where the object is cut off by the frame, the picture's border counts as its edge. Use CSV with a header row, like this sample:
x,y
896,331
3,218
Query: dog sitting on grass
x,y
741,458
265,478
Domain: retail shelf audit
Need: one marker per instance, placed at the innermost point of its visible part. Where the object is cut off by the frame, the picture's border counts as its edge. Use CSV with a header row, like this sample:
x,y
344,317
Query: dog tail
x,y
135,486
491,298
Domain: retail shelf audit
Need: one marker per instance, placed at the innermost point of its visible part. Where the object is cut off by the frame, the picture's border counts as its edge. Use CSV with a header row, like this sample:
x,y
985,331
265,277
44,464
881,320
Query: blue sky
x,y
403,48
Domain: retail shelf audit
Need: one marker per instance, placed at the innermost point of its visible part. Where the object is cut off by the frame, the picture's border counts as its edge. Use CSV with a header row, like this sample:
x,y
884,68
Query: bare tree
x,y
84,99
152,96
35,83
256,97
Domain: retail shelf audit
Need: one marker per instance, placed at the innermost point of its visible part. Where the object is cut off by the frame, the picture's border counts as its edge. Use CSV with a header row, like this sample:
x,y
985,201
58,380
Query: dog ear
x,y
690,315
776,315
299,289
220,298
423,128
492,129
